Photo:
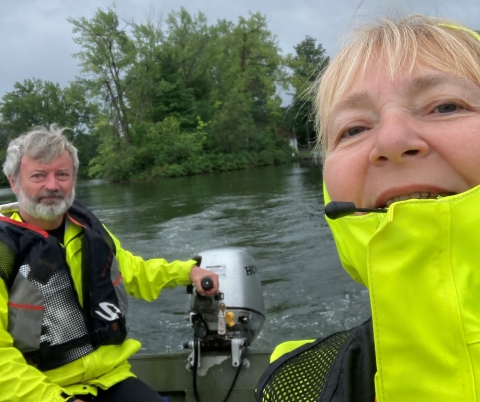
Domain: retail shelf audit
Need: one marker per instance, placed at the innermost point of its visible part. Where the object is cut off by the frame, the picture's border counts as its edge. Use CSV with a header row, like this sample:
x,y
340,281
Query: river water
x,y
276,213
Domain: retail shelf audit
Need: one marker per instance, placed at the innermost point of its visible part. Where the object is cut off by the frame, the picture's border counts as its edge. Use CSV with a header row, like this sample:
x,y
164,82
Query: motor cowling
x,y
232,319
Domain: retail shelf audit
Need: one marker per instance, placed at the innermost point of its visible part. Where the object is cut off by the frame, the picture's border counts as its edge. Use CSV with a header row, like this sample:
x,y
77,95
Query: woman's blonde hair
x,y
444,45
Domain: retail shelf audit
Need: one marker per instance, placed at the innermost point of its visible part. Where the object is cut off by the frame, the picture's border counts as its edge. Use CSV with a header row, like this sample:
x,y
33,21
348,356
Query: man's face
x,y
417,136
45,190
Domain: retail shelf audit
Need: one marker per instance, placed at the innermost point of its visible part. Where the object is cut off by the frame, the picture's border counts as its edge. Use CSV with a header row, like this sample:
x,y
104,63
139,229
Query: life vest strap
x,y
48,356
112,333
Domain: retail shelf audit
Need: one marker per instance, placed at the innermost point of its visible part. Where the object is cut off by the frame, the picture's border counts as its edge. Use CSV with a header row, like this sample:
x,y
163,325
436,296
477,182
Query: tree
x,y
33,103
307,64
187,42
233,125
107,53
177,98
185,62
260,67
143,73
42,103
248,66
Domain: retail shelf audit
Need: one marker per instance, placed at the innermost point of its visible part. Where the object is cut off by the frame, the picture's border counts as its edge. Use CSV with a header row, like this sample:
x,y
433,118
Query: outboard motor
x,y
229,321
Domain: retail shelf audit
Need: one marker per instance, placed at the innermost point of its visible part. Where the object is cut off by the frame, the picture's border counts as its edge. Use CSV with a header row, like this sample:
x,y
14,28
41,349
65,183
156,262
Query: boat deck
x,y
167,374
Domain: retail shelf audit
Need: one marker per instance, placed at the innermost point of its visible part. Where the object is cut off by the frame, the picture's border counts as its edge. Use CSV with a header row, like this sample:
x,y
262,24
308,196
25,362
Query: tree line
x,y
173,98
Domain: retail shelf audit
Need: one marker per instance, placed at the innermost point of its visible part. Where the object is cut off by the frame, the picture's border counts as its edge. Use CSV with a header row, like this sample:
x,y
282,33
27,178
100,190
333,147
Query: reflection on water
x,y
276,213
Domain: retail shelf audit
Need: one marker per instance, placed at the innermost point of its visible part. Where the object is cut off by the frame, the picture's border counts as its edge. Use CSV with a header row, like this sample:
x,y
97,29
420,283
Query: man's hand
x,y
196,275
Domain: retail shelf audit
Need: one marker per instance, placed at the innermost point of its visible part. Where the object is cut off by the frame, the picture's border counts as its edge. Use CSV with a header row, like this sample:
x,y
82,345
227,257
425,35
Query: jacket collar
x,y
354,234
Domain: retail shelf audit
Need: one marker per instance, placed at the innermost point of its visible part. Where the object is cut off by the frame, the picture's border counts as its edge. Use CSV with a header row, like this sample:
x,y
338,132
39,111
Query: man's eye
x,y
447,108
354,131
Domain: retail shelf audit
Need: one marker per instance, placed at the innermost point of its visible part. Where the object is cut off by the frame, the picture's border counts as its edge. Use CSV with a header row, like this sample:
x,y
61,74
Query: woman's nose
x,y
398,140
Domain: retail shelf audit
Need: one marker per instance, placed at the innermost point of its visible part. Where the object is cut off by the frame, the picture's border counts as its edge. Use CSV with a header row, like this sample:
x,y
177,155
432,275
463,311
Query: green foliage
x,y
233,126
107,53
86,145
105,164
188,42
175,101
170,145
3,178
30,104
249,61
308,62
175,98
42,103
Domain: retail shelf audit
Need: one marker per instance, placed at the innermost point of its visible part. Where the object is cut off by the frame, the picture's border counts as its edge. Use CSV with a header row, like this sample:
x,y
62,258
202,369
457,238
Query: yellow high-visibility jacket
x,y
421,264
107,365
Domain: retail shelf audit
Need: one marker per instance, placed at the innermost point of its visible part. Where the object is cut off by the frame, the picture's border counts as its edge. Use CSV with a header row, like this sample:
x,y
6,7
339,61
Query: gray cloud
x,y
37,39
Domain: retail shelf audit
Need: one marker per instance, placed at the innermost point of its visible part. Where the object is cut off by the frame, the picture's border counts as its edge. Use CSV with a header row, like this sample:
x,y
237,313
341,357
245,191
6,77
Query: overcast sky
x,y
36,39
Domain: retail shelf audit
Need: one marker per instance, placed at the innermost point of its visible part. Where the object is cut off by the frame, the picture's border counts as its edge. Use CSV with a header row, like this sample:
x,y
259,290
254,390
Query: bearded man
x,y
64,280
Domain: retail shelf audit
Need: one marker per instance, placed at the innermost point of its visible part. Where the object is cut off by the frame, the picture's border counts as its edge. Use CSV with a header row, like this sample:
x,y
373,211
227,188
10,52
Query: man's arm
x,y
145,279
20,381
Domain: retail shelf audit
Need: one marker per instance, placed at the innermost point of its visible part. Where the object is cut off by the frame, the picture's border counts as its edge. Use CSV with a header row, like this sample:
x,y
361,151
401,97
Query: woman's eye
x,y
354,131
447,108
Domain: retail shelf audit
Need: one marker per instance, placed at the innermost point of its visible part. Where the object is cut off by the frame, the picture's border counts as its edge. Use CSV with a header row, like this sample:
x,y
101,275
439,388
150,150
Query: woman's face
x,y
417,136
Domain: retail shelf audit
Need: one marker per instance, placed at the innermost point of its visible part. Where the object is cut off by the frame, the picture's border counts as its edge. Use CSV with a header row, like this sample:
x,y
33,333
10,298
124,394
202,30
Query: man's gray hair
x,y
41,144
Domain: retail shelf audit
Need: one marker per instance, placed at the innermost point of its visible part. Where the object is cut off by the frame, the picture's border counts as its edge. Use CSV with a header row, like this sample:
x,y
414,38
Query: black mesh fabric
x,y
7,263
301,375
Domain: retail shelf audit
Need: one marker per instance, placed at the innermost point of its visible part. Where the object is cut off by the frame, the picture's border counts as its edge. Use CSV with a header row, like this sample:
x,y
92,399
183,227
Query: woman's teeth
x,y
416,196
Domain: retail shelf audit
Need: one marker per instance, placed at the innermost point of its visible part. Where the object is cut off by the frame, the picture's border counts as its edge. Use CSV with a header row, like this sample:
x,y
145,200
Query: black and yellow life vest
x,y
46,320
339,368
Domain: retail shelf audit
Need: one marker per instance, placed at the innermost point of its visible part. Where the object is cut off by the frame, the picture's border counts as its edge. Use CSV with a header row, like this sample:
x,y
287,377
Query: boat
x,y
217,365
167,374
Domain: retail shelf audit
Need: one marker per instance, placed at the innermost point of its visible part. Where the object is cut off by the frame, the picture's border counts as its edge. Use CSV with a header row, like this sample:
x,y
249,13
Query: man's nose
x,y
398,140
51,182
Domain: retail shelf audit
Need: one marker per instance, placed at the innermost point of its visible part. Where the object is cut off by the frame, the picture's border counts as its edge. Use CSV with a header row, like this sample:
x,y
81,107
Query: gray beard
x,y
49,212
